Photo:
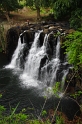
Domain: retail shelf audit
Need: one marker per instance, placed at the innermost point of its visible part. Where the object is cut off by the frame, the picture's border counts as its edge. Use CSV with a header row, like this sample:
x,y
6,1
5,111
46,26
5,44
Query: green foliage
x,y
38,5
76,94
9,5
22,118
73,46
1,110
70,10
61,8
44,113
2,38
15,119
38,122
59,120
76,19
22,3
3,31
12,112
0,95
56,88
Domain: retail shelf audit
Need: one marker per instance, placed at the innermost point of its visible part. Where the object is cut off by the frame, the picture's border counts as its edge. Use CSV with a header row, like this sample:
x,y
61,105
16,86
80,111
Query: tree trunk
x,y
7,16
38,13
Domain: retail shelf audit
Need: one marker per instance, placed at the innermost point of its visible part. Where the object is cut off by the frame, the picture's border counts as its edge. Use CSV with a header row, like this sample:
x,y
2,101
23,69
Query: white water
x,y
31,76
31,70
33,60
15,61
58,48
49,77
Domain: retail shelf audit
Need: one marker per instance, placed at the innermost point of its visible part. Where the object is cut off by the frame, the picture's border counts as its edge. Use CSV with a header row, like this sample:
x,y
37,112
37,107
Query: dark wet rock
x,y
42,63
12,41
46,31
46,26
52,42
66,105
3,59
28,31
27,37
70,108
41,39
73,82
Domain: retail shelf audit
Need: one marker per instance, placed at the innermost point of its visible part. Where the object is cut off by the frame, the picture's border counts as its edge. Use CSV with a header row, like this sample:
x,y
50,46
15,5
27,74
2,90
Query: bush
x,y
73,46
76,19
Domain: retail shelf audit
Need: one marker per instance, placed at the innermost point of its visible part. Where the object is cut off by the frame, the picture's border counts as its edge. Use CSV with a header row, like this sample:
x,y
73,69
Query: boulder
x,y
66,105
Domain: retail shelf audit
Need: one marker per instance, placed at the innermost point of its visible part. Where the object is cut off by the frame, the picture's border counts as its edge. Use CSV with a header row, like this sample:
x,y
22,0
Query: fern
x,y
73,46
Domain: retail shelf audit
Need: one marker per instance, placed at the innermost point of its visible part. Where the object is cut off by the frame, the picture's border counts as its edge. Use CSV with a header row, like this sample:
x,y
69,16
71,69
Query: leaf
x,y
14,111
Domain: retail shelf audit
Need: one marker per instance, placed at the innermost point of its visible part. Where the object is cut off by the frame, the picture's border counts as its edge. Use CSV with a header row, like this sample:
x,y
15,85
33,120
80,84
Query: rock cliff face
x,y
12,40
28,32
27,35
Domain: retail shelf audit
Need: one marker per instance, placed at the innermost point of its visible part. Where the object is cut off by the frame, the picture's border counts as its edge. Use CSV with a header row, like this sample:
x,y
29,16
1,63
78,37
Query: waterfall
x,y
33,59
18,53
58,48
32,65
39,70
49,71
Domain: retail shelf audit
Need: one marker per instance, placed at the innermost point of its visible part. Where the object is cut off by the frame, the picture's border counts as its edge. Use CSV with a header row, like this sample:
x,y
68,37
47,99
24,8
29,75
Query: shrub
x,y
76,19
73,46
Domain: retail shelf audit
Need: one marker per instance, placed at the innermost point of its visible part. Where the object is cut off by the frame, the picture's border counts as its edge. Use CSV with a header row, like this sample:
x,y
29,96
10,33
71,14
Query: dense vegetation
x,y
67,9
7,6
73,46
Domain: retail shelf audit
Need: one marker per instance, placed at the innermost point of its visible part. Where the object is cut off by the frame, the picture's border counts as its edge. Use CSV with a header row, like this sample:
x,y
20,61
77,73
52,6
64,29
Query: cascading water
x,y
49,71
33,60
15,61
39,70
36,53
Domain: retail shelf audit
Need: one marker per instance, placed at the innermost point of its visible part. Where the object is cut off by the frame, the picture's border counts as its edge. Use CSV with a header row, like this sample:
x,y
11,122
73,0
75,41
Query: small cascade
x,y
49,71
58,48
40,67
33,59
16,58
65,72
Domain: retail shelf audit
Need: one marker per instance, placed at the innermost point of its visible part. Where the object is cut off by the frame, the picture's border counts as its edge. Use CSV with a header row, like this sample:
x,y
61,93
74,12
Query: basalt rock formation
x,y
12,40
28,34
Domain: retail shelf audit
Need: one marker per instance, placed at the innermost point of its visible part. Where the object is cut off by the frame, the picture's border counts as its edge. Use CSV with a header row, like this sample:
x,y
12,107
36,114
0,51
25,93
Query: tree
x,y
37,4
8,5
65,8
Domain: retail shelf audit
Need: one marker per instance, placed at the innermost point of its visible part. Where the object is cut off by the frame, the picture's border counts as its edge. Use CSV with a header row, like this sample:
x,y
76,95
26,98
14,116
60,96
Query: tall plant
x,y
73,46
2,39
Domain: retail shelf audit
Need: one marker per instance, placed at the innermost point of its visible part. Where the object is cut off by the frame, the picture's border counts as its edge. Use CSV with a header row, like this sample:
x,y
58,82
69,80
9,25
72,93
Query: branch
x,y
63,95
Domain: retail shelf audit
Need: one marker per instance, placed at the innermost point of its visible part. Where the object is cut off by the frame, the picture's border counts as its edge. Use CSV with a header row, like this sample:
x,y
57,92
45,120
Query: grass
x,y
23,118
